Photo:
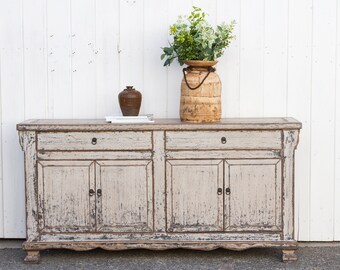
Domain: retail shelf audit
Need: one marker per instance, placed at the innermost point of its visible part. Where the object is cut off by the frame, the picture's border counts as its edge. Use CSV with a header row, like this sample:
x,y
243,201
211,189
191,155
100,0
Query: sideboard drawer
x,y
215,140
72,141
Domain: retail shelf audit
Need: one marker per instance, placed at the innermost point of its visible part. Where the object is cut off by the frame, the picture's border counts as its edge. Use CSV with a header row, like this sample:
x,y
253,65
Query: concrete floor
x,y
311,256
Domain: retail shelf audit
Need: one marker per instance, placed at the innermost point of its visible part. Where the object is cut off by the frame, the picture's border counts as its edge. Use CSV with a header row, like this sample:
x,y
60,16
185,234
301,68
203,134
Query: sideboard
x,y
169,184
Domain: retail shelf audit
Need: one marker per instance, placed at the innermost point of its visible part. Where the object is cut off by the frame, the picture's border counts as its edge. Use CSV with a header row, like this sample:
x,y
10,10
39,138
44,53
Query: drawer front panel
x,y
215,140
95,141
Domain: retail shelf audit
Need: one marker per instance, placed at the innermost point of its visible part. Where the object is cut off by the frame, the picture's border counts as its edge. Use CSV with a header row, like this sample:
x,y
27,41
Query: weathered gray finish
x,y
159,186
104,141
193,204
254,203
126,200
63,201
69,125
211,140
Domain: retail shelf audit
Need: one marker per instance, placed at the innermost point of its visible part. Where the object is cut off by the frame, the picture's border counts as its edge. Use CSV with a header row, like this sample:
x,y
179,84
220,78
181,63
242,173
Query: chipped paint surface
x,y
165,189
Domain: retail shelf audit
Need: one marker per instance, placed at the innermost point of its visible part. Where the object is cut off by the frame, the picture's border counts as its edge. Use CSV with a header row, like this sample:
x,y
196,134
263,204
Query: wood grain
x,y
160,124
254,202
160,188
63,196
232,140
193,204
126,200
159,181
163,237
231,245
103,141
28,143
290,142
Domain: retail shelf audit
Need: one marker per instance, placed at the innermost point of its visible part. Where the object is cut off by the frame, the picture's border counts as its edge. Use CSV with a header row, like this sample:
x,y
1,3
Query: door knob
x,y
219,191
91,192
94,141
227,191
99,192
223,140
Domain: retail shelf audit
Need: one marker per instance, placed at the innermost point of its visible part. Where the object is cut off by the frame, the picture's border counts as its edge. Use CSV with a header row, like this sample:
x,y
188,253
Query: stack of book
x,y
130,119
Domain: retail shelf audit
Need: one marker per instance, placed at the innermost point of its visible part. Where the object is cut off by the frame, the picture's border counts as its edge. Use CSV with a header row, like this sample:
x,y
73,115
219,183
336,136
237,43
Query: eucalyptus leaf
x,y
195,39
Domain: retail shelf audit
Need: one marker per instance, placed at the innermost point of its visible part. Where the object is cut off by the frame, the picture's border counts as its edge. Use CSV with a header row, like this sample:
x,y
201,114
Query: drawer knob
x,y
223,140
94,141
219,191
91,192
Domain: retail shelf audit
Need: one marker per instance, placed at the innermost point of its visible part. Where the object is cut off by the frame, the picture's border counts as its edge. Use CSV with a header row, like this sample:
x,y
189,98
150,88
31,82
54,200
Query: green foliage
x,y
195,39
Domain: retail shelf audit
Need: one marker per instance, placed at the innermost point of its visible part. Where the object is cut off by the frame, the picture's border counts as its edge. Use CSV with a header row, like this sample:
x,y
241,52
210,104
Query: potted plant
x,y
197,44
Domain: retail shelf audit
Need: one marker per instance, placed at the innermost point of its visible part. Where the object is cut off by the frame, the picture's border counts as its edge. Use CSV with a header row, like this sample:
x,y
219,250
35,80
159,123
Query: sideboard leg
x,y
289,255
33,256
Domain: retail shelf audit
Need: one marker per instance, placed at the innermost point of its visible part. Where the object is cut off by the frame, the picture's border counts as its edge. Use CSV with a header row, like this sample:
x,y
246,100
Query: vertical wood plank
x,y
228,67
322,120
336,211
13,111
1,161
155,75
337,134
175,8
83,25
290,141
107,58
159,181
251,72
28,144
35,58
275,58
59,40
298,105
131,45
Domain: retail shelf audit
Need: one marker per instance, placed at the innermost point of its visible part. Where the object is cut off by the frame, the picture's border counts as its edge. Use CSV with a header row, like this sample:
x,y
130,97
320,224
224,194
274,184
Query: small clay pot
x,y
130,100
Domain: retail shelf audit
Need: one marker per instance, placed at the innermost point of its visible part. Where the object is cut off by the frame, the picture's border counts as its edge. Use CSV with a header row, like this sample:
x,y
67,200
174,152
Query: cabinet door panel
x,y
193,204
64,201
254,202
125,203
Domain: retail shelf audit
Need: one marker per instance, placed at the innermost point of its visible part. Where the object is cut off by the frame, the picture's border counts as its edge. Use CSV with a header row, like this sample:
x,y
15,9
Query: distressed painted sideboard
x,y
169,184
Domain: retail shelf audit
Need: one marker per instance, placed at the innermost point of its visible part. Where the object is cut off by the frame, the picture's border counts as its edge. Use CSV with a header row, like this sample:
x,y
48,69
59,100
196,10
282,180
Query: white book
x,y
130,119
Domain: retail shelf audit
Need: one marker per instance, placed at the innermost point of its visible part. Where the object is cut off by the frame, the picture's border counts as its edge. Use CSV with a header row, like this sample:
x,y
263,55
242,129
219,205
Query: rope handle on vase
x,y
210,69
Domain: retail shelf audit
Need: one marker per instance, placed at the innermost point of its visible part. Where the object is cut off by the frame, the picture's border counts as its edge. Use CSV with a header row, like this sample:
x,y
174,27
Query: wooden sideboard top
x,y
159,124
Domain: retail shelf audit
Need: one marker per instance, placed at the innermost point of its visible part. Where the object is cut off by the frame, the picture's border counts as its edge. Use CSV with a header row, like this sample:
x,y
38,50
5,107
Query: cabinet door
x,y
193,202
65,204
254,200
124,203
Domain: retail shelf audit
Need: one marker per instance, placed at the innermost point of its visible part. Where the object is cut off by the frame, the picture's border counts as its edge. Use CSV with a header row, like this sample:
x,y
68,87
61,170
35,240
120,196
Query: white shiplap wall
x,y
71,58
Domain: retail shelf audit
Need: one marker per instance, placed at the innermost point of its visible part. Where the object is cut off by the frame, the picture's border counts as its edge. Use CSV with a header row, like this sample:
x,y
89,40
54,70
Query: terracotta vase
x,y
200,93
130,100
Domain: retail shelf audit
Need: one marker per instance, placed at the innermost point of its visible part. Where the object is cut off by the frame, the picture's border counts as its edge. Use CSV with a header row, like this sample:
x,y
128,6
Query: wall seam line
x,y
47,97
71,59
23,54
240,62
1,159
335,114
287,59
263,56
311,126
95,58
